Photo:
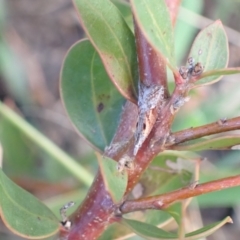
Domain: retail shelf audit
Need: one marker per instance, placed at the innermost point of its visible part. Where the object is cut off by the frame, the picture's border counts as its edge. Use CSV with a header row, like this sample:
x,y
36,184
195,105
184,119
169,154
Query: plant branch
x,y
209,129
165,200
98,210
152,66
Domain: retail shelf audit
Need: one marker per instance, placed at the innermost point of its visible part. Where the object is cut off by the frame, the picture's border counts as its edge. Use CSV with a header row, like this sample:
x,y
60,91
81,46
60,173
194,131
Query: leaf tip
x,y
229,220
219,22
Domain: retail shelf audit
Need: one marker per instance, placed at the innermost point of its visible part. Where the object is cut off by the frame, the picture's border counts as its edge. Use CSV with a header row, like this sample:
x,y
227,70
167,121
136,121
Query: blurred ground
x,y
39,33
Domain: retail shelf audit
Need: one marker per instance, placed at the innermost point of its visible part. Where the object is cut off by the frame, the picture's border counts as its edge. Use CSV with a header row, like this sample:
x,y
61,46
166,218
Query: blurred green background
x,y
34,38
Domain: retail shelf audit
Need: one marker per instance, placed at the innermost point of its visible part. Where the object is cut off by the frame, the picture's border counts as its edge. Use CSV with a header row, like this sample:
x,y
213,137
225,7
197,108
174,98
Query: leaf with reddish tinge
x,y
210,48
24,214
113,40
92,102
220,143
153,19
115,181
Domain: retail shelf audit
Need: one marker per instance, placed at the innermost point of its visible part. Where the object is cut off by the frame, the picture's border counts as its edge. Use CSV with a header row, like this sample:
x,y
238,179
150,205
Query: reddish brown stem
x,y
205,130
98,209
164,200
152,67
166,117
90,220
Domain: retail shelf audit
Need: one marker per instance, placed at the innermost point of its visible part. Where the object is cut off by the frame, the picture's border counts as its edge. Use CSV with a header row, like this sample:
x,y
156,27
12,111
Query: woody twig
x,y
165,200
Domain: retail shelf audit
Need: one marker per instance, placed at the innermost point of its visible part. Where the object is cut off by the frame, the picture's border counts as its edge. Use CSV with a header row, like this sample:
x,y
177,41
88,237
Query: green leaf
x,y
220,72
113,40
125,9
23,214
147,230
207,230
117,231
175,211
220,143
92,102
115,182
154,21
158,218
152,232
212,43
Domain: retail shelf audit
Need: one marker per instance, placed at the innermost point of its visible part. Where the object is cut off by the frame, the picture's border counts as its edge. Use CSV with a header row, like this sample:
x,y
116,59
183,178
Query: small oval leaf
x,y
24,214
210,48
92,102
220,143
115,181
154,20
113,40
